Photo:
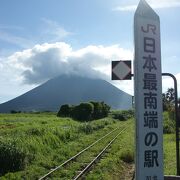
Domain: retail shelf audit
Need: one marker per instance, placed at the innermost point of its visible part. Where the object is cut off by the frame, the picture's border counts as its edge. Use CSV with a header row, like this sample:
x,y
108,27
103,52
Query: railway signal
x,y
121,70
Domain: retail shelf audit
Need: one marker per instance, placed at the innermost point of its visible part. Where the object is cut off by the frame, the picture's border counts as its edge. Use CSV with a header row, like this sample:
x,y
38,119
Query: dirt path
x,y
129,173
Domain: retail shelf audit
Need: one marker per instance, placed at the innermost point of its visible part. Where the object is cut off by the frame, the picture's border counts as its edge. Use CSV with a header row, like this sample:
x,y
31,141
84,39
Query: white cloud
x,y
155,4
31,67
16,40
11,81
50,32
169,83
53,30
45,61
125,8
126,86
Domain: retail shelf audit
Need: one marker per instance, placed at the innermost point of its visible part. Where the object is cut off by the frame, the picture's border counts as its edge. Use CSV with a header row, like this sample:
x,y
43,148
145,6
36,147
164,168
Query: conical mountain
x,y
68,90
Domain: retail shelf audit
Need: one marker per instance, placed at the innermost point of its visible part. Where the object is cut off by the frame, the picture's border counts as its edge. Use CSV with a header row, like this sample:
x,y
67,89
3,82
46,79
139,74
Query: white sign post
x,y
148,94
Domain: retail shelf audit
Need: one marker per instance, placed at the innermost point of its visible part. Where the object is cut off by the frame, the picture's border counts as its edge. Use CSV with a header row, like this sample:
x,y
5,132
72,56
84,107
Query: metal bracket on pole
x,y
177,121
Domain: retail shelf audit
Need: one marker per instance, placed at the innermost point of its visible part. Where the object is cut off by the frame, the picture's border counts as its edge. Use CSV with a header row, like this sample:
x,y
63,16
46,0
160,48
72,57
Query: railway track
x,y
80,164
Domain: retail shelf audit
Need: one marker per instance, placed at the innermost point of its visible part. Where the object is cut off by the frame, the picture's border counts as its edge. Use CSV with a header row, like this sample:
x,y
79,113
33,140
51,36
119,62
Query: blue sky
x,y
42,39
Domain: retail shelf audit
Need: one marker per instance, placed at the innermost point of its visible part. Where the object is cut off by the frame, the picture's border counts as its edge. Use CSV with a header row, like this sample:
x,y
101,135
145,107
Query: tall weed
x,y
168,124
12,156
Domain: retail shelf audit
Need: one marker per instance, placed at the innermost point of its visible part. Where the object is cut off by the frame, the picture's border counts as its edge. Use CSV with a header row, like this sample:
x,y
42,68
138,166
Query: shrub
x,y
171,113
12,157
127,156
35,131
83,111
119,116
105,109
100,110
89,127
86,128
168,124
14,112
123,115
64,111
97,110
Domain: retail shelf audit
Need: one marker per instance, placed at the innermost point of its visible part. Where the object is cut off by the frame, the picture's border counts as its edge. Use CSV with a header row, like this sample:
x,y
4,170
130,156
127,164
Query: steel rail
x,y
98,156
75,156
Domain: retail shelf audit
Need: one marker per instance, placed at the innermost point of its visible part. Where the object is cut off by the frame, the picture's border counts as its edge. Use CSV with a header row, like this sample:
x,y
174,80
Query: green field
x,y
31,144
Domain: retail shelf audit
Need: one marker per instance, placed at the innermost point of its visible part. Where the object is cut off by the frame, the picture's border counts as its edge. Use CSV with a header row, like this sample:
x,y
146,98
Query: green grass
x,y
112,166
44,141
169,144
39,142
168,123
169,154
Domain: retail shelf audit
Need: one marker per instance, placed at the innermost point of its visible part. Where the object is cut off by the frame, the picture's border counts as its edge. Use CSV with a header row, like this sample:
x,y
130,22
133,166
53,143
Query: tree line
x,y
85,111
169,100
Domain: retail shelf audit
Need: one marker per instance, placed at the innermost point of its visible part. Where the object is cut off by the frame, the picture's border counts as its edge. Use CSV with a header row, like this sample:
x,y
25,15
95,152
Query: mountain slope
x,y
68,90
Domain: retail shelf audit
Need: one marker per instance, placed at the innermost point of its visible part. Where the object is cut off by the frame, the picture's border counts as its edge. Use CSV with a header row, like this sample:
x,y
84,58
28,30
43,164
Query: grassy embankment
x,y
169,144
38,142
32,144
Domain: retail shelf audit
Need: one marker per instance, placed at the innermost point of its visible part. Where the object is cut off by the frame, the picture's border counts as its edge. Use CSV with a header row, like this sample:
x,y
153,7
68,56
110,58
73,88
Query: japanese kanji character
x,y
149,63
150,81
150,100
149,45
151,158
151,119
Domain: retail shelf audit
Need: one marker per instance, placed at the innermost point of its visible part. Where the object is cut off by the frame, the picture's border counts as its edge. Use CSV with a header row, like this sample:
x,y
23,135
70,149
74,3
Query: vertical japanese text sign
x,y
148,94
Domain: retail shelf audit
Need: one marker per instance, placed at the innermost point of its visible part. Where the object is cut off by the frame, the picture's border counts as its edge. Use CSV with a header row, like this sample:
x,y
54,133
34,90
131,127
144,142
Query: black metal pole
x,y
177,122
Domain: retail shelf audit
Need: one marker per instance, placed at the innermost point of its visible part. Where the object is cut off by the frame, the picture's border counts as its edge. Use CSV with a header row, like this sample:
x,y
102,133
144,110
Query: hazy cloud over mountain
x,y
46,61
34,66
